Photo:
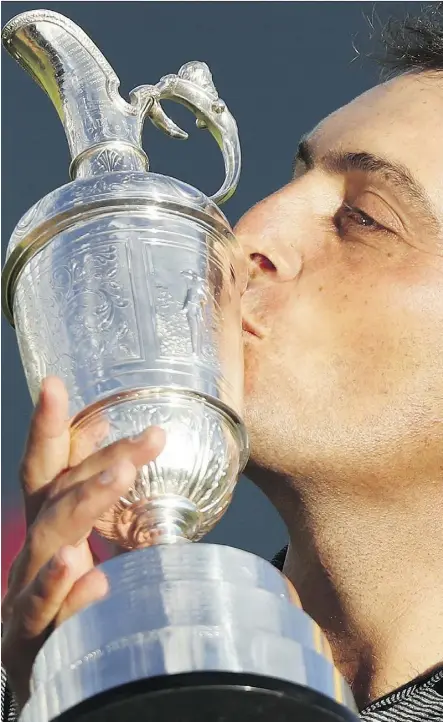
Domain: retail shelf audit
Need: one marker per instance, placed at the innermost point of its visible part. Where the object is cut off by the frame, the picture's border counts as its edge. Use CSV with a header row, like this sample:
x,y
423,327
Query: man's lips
x,y
250,328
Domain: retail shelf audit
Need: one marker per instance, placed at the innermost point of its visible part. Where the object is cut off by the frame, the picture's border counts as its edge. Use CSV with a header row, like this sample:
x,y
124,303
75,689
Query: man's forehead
x,y
400,120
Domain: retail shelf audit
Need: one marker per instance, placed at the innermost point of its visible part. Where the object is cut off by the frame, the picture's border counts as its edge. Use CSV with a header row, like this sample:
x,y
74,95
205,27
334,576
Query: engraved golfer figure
x,y
194,303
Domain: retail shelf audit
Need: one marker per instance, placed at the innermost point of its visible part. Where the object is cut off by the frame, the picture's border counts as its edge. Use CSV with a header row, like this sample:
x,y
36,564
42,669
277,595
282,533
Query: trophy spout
x,y
103,130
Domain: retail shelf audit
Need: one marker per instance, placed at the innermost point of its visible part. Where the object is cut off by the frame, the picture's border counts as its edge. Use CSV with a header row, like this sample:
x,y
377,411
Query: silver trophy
x,y
127,285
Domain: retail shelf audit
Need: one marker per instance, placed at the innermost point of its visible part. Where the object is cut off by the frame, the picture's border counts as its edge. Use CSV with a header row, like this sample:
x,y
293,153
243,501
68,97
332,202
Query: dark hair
x,y
414,43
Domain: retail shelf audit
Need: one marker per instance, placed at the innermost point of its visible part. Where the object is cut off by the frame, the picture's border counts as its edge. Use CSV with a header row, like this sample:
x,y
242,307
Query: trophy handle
x,y
193,87
103,130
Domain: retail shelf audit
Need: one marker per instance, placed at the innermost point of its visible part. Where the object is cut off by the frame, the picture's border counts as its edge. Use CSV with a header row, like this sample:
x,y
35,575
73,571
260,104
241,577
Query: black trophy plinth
x,y
209,697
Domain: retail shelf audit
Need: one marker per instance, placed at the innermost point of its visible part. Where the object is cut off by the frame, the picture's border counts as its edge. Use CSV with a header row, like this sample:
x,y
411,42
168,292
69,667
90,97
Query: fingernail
x,y
107,476
41,393
139,437
152,432
66,555
57,563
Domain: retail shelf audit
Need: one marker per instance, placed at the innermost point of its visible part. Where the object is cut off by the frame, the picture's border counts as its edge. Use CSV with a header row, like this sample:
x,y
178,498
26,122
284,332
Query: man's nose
x,y
267,234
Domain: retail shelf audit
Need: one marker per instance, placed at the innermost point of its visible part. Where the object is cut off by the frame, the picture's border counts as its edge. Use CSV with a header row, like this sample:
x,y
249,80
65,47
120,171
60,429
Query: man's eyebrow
x,y
340,162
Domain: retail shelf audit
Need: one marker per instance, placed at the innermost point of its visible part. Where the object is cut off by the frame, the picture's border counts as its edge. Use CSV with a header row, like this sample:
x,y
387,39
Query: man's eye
x,y
351,216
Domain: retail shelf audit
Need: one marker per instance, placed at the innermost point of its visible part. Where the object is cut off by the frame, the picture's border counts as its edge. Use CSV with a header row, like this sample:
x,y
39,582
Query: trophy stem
x,y
186,489
165,520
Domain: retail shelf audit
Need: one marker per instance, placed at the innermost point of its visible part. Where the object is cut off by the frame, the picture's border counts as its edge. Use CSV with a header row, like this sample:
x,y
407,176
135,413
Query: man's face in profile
x,y
344,379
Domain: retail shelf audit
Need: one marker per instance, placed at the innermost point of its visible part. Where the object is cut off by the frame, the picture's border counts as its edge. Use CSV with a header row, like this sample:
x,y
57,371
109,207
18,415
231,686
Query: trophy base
x,y
210,697
208,630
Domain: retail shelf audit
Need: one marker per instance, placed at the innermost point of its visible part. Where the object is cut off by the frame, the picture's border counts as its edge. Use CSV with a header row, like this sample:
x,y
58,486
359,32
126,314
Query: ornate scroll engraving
x,y
85,312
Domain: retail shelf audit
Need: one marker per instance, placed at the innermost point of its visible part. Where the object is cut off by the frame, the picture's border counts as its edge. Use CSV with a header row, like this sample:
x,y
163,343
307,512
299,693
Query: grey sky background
x,y
280,67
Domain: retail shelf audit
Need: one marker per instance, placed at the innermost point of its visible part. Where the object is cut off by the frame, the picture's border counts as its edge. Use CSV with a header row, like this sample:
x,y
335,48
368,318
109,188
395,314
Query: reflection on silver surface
x,y
127,284
187,608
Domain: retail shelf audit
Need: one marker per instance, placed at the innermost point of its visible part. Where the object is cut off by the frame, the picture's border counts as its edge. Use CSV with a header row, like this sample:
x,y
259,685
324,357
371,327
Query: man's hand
x,y
66,489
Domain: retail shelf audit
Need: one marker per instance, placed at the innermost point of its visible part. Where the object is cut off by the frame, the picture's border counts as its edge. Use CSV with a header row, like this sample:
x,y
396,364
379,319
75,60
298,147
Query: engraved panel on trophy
x,y
95,282
186,309
86,309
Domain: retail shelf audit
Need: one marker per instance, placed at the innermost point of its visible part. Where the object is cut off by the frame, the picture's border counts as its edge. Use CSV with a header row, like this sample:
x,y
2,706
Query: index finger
x,y
48,444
